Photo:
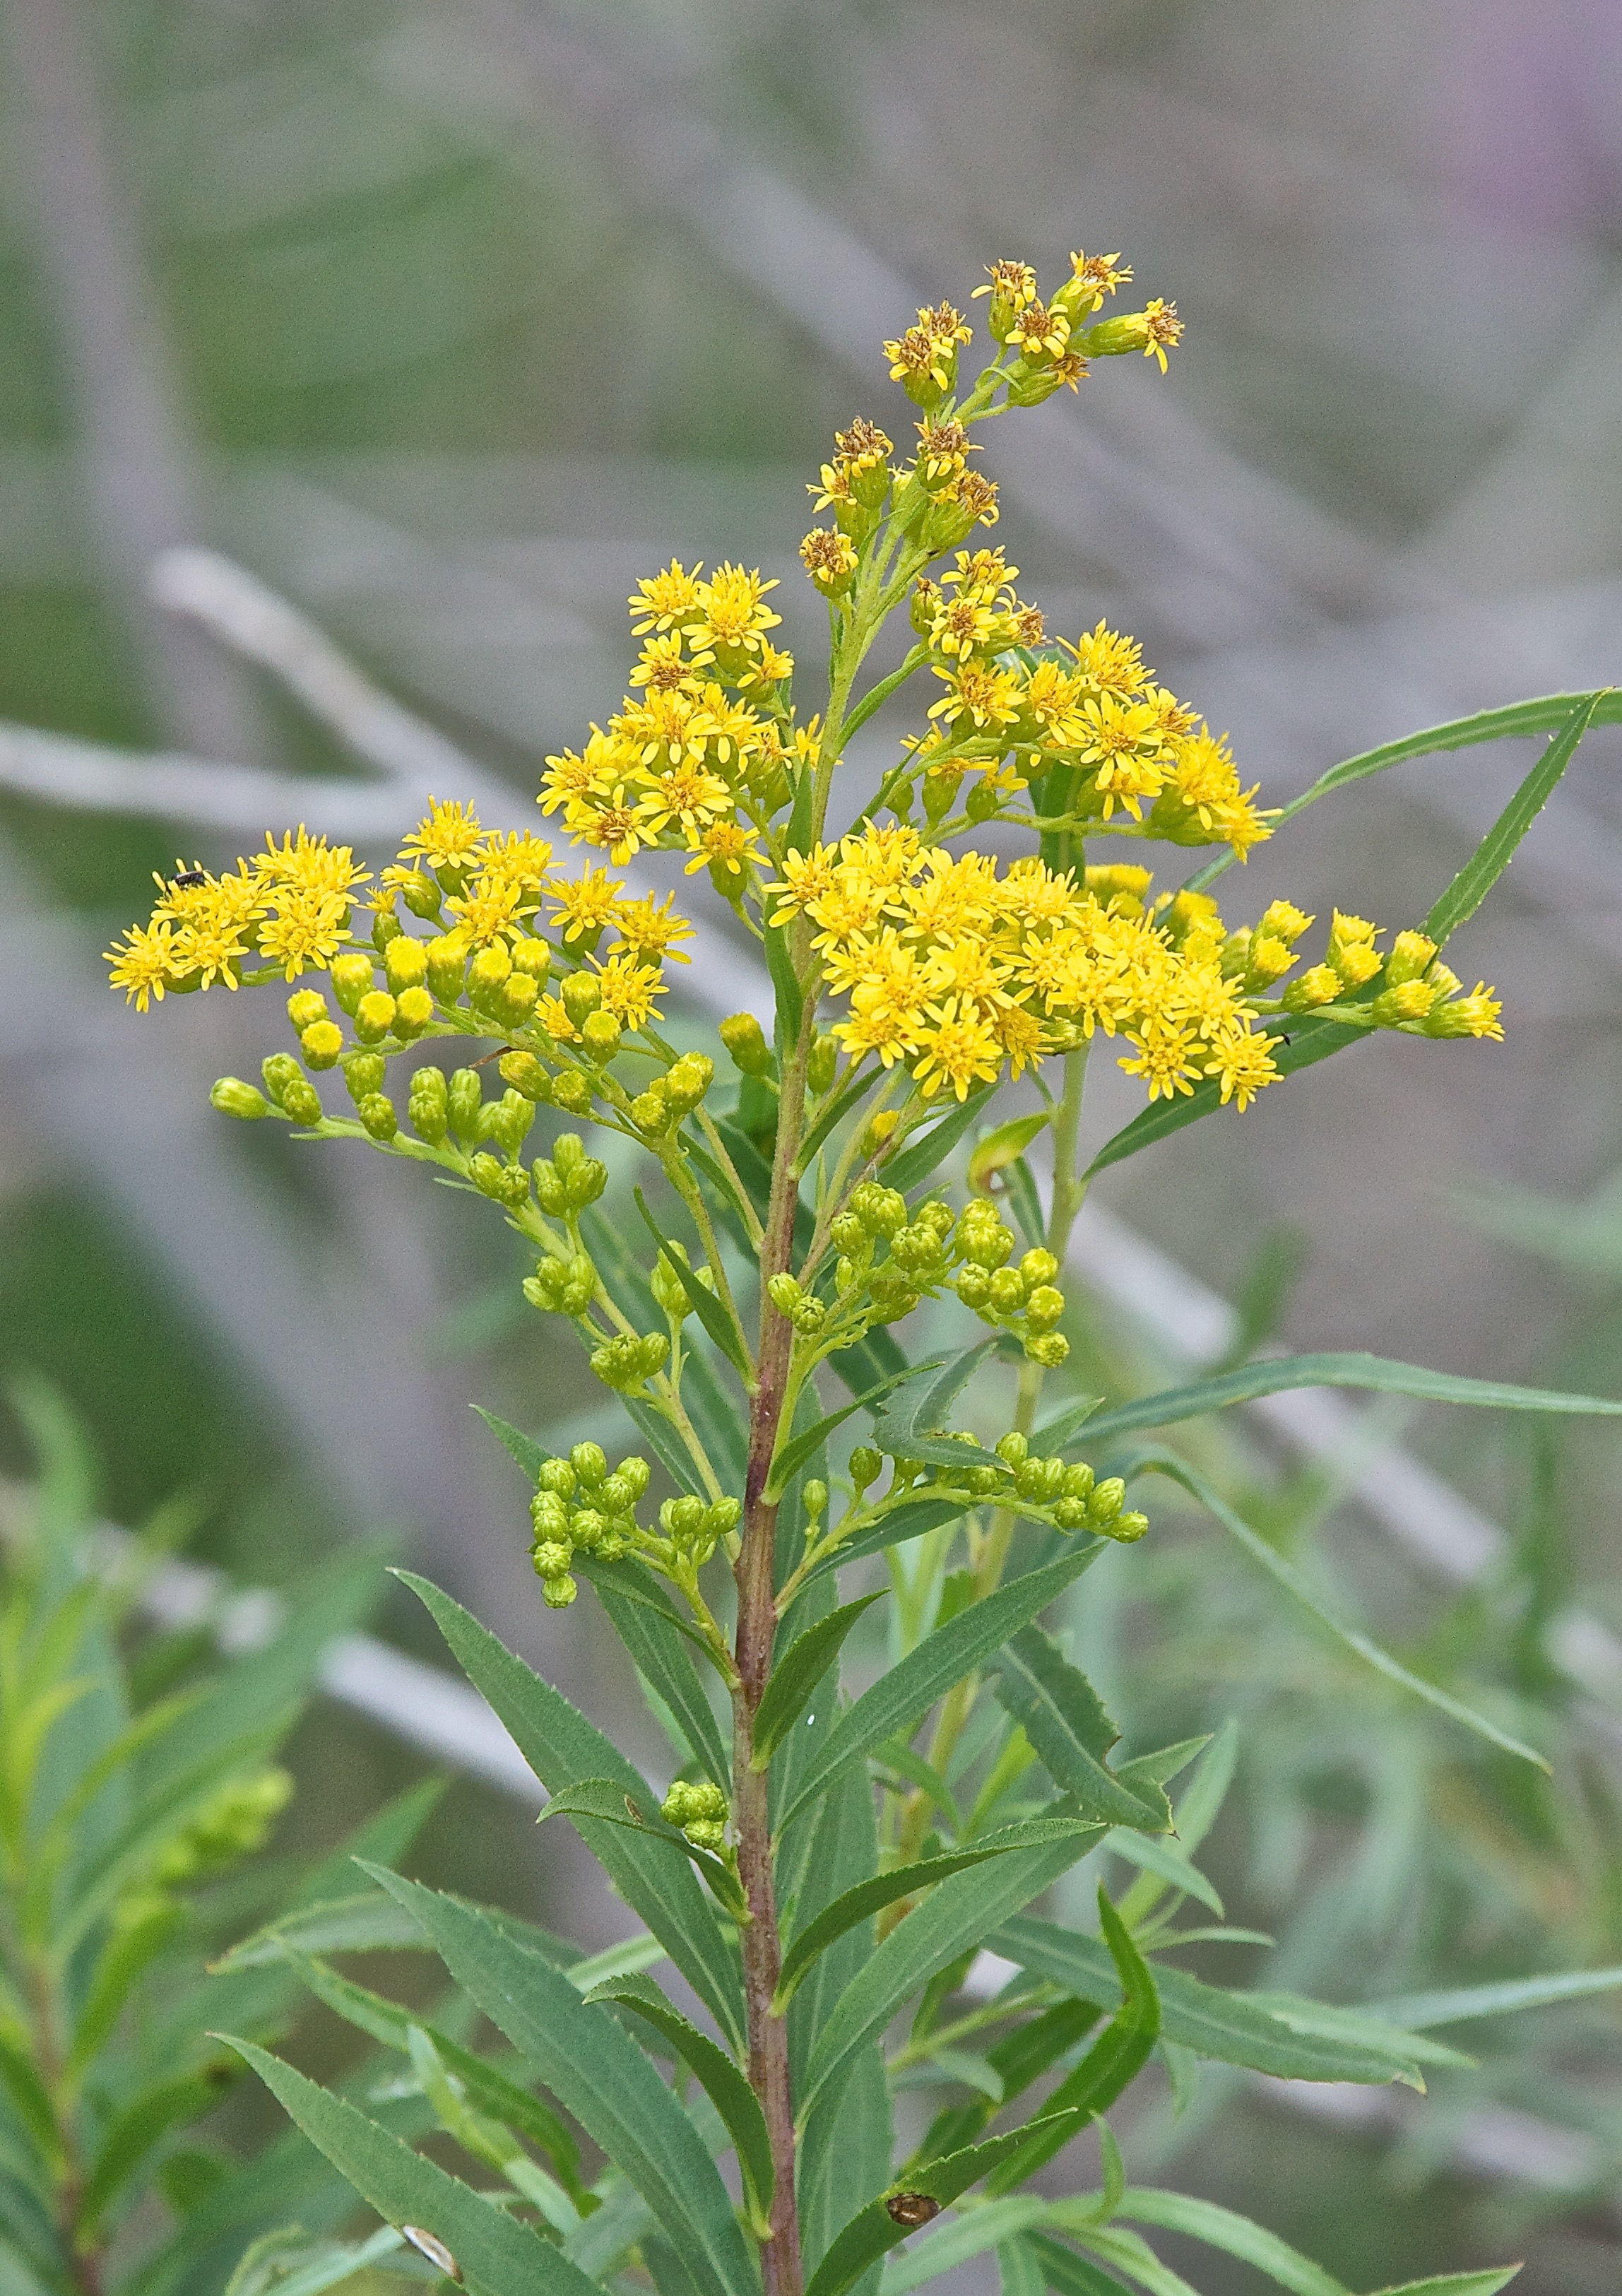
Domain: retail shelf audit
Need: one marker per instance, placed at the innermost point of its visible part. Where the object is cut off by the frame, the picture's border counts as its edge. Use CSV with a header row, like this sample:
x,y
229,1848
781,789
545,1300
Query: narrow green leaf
x,y
1062,1429
1311,1040
598,2075
840,1106
1004,1146
916,1429
1167,1463
793,1456
881,1889
1167,1862
1212,2022
633,1581
1128,2249
1415,2010
957,1915
1025,1202
1235,2235
1490,859
562,1747
797,1673
488,2090
603,1801
785,981
897,1699
1069,2274
710,1310
495,2253
1064,1716
717,2073
922,1156
1021,2057
659,1652
1457,2283
133,2133
531,1456
365,1923
1363,2028
1377,1375
1115,2059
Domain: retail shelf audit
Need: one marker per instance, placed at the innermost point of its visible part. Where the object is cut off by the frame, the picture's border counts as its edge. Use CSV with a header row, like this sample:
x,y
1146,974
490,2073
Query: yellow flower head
x,y
651,928
732,618
1112,663
665,601
1165,330
448,837
628,990
310,863
585,905
493,909
142,965
308,932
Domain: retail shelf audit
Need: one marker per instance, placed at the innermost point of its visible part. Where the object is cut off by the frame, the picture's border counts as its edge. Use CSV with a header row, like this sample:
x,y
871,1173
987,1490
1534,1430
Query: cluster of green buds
x,y
232,1823
891,1257
1069,1496
693,1528
1414,990
700,1810
579,1506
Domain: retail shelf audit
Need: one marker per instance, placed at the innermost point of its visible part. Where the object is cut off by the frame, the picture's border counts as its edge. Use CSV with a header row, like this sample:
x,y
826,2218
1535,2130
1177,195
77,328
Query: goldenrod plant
x,y
826,1867
138,1784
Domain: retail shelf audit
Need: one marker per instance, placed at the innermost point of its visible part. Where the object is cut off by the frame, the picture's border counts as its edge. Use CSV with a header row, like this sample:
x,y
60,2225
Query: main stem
x,y
755,1572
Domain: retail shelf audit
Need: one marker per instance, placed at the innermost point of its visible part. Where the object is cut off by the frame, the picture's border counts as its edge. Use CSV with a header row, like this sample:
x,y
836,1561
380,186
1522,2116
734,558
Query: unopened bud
x,y
233,1097
580,996
374,1016
321,1044
1013,1448
427,1106
744,1039
533,956
421,895
302,1103
525,1073
305,1007
448,959
515,1002
278,1071
571,1093
1049,1349
688,1080
813,1497
508,1122
866,1466
466,1105
823,1064
352,977
650,1113
376,1113
784,1294
413,1012
363,1073
1043,1309
601,1033
404,964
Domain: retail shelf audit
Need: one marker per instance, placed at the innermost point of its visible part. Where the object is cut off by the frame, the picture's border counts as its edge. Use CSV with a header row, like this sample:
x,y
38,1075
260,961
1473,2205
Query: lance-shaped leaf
x,y
1456,2284
562,1747
970,2234
494,2252
598,2075
1064,1426
1167,1463
793,1456
603,1802
875,2230
1004,1146
1064,1719
958,1915
1212,2022
1416,2011
913,1430
1117,2057
530,1455
1068,2273
785,981
797,1673
710,1311
716,2074
1019,2057
486,2089
881,1889
1235,2235
1377,1375
362,1922
924,1154
1490,859
899,1698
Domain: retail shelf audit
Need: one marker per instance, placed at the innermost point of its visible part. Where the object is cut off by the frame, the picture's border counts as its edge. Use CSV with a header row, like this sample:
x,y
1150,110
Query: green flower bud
x,y
374,1016
376,1113
305,1007
404,964
586,1527
558,1477
635,1474
866,1466
549,1515
824,1062
302,1103
784,1294
580,996
363,1073
688,1080
810,1317
1049,1349
278,1071
882,1211
508,1121
813,1497
525,1073
650,1112
1043,1309
1070,1514
626,1365
352,978
682,1518
744,1039
571,1093
973,1287
982,1482
551,1557
385,927
1127,1527
487,974
421,895
321,1044
1007,1292
1038,1268
1013,1448
558,1593
413,1012
707,1834
448,960
1040,1480
515,1002
533,956
590,1465
723,1517
427,1106
1106,1502
504,1184
1077,1481
233,1097
601,1034
465,1105
847,1234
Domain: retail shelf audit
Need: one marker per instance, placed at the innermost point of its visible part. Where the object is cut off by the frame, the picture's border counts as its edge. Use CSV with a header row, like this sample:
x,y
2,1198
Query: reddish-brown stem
x,y
768,2038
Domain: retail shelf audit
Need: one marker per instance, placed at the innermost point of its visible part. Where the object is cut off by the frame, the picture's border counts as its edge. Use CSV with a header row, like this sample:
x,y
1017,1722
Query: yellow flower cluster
x,y
681,762
1017,706
288,910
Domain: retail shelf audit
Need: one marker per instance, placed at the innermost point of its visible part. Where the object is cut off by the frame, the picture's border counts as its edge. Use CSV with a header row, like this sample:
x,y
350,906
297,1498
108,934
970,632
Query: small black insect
x,y
911,2208
189,880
